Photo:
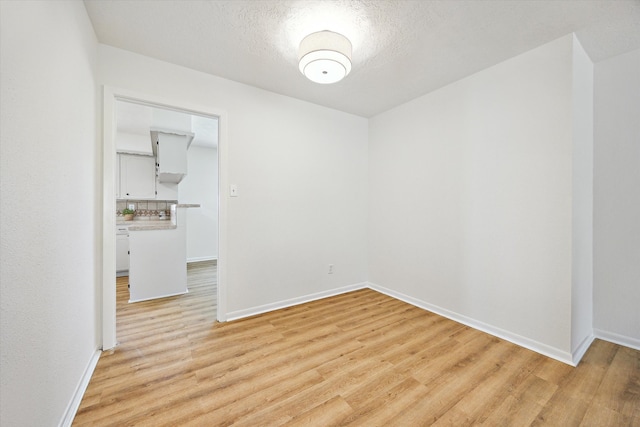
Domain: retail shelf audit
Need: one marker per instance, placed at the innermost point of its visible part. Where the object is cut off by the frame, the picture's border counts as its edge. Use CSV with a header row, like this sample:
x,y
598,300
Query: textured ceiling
x,y
401,49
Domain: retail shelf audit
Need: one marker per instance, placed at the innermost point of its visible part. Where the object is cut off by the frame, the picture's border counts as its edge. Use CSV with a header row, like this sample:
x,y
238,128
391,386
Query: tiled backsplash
x,y
145,209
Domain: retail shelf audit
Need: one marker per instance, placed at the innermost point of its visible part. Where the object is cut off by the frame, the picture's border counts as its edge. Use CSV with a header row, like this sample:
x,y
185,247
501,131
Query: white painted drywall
x,y
171,120
617,198
301,171
471,197
135,143
50,202
201,186
582,201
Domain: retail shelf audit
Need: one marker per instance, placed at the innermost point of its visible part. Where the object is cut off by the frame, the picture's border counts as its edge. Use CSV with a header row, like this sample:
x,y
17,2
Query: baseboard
x,y
525,342
617,339
240,314
72,408
579,352
202,258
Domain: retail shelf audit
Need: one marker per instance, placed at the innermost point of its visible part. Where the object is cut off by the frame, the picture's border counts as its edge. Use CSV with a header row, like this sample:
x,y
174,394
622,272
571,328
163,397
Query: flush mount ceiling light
x,y
325,57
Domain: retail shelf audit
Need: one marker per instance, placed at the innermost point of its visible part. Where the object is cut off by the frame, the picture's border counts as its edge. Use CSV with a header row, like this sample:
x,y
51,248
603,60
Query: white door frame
x,y
110,96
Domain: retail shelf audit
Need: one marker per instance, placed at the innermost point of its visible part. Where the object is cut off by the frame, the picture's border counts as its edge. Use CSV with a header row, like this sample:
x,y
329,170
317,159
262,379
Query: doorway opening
x,y
128,120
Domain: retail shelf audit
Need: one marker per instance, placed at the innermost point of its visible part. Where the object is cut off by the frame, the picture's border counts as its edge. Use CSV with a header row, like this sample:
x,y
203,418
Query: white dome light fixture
x,y
325,57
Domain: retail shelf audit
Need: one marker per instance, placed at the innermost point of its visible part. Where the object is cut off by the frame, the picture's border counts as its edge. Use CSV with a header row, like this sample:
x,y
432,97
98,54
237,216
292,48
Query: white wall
x,y
201,186
301,171
50,204
471,199
617,199
582,202
134,143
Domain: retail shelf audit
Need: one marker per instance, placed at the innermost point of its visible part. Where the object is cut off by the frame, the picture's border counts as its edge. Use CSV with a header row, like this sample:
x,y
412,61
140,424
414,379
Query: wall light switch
x,y
233,190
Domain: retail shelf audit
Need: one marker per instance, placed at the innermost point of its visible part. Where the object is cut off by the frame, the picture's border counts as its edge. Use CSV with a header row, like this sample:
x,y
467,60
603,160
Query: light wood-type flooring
x,y
360,358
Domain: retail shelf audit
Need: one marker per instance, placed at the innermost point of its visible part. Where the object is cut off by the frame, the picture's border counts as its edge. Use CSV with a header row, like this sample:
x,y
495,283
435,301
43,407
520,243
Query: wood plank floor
x,y
360,358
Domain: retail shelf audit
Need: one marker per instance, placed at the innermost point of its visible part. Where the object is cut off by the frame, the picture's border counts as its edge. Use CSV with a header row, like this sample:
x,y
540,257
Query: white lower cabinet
x,y
122,254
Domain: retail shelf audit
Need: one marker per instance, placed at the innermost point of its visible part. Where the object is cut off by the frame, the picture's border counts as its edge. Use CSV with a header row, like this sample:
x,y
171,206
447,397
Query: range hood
x,y
170,150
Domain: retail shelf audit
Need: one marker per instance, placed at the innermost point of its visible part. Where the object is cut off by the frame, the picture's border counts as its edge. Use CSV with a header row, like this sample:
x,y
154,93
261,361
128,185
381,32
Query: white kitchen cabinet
x,y
137,177
171,155
122,254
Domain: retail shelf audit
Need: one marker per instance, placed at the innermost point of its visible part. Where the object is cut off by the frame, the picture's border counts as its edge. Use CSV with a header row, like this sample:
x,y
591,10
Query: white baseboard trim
x,y
81,388
563,356
579,352
528,343
240,314
202,258
617,339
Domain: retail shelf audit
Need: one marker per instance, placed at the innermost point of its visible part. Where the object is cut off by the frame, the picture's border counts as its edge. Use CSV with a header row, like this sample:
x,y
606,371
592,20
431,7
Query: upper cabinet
x,y
137,177
170,150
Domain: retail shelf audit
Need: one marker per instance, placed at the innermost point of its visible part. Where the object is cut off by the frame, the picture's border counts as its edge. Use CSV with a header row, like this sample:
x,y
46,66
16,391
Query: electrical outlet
x,y
330,271
132,206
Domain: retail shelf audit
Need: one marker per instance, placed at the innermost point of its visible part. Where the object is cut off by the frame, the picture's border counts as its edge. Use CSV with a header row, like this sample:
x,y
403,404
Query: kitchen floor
x,y
202,284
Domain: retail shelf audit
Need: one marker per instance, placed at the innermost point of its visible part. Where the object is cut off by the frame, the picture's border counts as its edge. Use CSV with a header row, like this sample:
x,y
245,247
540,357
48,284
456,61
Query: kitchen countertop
x,y
144,225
